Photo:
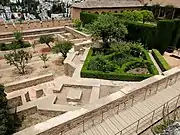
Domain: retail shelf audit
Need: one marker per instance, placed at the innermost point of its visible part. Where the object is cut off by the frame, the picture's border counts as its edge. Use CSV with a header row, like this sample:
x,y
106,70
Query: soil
x,y
138,71
33,119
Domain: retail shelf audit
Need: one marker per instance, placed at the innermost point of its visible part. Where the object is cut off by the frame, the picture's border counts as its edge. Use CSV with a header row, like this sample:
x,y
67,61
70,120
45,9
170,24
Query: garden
x,y
22,59
125,39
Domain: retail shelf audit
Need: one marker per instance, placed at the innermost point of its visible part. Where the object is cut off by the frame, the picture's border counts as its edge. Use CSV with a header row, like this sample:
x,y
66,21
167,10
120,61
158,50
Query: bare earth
x,y
173,62
35,68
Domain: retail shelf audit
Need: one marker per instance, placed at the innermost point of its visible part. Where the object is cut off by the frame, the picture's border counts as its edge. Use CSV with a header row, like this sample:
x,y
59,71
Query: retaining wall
x,y
75,122
10,87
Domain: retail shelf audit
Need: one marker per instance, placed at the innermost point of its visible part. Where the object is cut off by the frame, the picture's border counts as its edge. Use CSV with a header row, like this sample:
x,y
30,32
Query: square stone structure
x,y
74,95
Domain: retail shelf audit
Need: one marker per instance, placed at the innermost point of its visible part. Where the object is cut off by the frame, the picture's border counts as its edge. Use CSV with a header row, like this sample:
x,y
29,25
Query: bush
x,y
87,18
140,32
164,35
99,64
160,60
118,73
14,45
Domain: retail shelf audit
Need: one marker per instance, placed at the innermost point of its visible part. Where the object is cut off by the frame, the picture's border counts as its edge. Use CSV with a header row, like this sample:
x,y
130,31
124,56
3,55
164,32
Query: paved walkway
x,y
113,125
155,63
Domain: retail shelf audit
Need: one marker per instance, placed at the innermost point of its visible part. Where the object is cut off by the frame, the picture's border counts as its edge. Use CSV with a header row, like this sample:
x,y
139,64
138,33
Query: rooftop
x,y
175,3
107,4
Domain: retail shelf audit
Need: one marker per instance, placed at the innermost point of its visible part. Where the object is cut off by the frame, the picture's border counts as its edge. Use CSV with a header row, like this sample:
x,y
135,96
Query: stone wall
x,y
10,87
78,34
75,122
69,66
9,27
14,102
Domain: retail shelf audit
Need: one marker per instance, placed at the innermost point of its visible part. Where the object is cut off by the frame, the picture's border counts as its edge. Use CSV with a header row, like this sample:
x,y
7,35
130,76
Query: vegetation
x,y
19,59
78,24
108,27
44,58
17,43
62,47
8,122
114,63
46,39
160,60
147,16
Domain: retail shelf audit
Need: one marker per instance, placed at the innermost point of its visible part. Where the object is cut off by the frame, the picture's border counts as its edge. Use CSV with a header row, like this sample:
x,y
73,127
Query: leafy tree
x,y
46,40
147,16
137,16
62,47
108,27
132,16
77,23
44,58
19,59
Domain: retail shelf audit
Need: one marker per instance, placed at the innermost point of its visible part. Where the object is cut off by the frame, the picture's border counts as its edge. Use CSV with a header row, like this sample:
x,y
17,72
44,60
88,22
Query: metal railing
x,y
99,116
136,125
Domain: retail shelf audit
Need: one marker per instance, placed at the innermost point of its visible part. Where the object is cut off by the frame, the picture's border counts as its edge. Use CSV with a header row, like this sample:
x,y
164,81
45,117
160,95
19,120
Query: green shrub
x,y
118,73
160,60
14,45
134,64
140,32
87,18
99,64
164,34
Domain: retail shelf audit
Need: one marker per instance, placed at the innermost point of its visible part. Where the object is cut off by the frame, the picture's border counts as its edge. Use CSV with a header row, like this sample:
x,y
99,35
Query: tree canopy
x,y
108,27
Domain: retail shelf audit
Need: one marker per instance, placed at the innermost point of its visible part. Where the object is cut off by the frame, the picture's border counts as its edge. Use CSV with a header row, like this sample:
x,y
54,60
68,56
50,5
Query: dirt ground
x,y
34,119
34,68
173,62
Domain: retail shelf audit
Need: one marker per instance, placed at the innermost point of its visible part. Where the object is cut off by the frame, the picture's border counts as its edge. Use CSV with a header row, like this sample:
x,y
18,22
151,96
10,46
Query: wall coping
x,y
71,115
27,80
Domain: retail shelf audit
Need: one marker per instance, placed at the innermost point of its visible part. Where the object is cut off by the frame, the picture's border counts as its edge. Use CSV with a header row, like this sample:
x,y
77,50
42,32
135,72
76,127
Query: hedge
x,y
176,34
164,34
140,32
117,75
11,46
160,60
88,18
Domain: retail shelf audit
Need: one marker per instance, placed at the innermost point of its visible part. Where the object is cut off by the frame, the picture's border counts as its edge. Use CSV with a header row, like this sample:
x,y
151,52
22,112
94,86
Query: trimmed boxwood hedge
x,y
117,75
144,33
87,18
160,60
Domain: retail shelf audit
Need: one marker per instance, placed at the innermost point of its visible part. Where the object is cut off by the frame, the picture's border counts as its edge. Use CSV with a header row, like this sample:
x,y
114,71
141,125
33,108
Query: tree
x,y
6,123
108,27
19,59
147,16
62,47
44,58
46,40
18,37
